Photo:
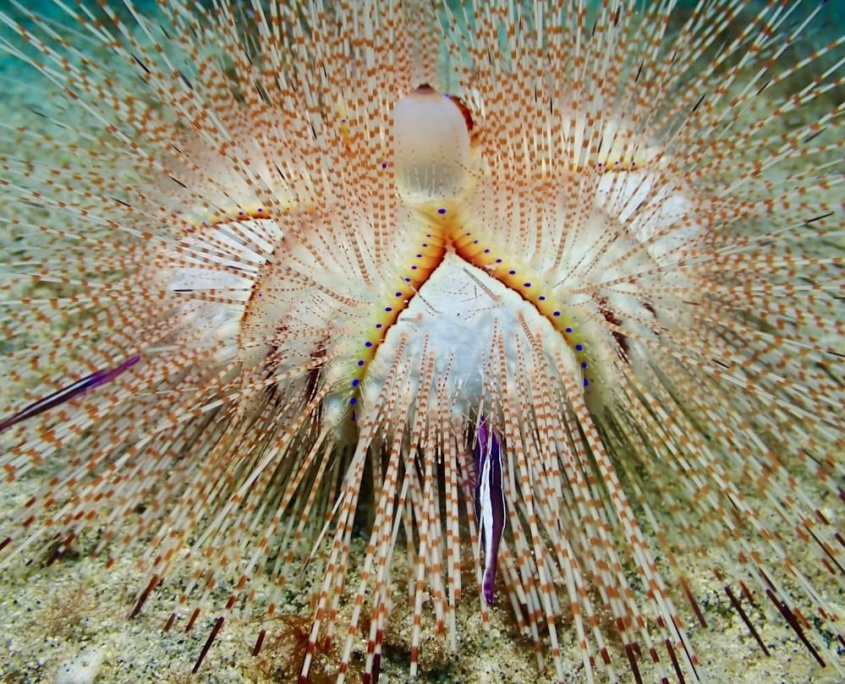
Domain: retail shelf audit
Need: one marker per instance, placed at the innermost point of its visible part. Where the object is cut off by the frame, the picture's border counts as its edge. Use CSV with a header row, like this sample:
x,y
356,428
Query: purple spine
x,y
97,378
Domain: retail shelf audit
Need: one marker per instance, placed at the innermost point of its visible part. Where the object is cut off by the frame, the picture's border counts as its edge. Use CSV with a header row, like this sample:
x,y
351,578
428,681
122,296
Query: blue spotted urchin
x,y
551,292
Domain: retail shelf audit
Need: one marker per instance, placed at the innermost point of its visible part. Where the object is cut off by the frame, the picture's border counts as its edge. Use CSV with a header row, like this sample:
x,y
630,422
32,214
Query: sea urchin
x,y
551,291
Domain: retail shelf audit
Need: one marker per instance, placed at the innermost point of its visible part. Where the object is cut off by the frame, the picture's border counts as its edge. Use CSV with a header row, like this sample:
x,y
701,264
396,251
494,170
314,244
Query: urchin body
x,y
520,318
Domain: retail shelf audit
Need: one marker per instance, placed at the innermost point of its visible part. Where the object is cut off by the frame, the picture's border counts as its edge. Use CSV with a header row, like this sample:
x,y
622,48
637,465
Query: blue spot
x,y
583,364
353,401
542,298
378,326
388,309
526,284
498,261
425,244
579,347
441,211
569,331
413,268
556,313
475,242
361,362
419,256
512,272
354,416
356,382
487,251
407,280
586,383
368,344
398,294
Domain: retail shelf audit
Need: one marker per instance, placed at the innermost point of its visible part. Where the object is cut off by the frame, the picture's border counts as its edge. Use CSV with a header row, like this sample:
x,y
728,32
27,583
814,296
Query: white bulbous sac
x,y
431,147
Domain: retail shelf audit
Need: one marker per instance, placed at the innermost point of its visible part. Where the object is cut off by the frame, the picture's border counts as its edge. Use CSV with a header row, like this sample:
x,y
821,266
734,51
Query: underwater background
x,y
56,615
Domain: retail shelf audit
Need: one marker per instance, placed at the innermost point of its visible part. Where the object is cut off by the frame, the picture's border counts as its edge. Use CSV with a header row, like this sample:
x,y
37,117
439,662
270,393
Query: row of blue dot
x,y
527,285
388,309
361,362
542,298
